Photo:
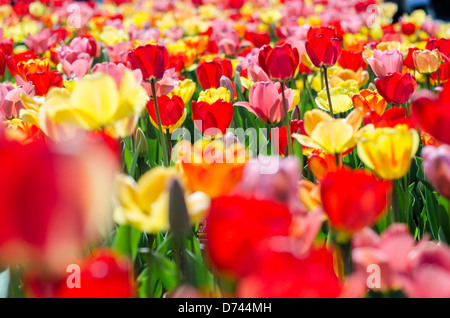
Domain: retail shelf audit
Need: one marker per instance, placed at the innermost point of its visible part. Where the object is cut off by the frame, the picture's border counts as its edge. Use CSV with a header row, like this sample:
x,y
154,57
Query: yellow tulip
x,y
212,95
388,151
331,135
145,204
426,61
341,97
185,90
96,102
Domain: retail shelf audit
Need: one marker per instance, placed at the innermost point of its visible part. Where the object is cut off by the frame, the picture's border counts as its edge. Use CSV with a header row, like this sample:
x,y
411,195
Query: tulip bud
x,y
178,214
296,113
426,61
142,141
226,82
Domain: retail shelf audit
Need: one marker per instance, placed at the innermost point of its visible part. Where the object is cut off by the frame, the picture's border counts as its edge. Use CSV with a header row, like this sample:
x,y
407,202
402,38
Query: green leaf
x,y
127,240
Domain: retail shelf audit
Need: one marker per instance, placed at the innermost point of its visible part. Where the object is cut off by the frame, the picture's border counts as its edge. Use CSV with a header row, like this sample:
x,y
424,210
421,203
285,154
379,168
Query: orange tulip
x,y
370,101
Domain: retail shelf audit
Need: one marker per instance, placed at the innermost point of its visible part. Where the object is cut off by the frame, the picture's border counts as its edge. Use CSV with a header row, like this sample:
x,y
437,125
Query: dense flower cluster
x,y
203,148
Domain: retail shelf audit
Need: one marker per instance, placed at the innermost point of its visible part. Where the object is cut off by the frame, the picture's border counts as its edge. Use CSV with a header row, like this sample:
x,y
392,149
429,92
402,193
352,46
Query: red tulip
x,y
280,62
408,28
212,119
281,142
151,59
209,74
444,73
353,199
103,275
171,111
48,214
392,117
408,60
443,45
237,229
396,88
323,51
2,64
327,32
43,81
432,114
12,60
257,39
283,275
352,60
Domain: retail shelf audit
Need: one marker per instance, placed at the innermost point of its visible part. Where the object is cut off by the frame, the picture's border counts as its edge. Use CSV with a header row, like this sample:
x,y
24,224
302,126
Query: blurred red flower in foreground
x,y
53,200
432,114
283,275
353,199
102,275
237,229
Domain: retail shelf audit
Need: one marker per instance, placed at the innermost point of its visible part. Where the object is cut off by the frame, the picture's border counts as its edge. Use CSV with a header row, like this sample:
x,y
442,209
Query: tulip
x,y
152,60
212,119
43,81
257,39
408,60
237,227
442,44
321,163
436,164
396,88
185,90
392,117
384,62
40,42
96,102
213,168
10,99
309,195
426,61
102,275
145,204
172,112
209,74
284,275
323,51
13,60
388,151
351,60
333,136
79,67
281,136
2,64
32,66
353,199
266,102
341,100
431,113
361,77
280,62
369,101
212,95
54,218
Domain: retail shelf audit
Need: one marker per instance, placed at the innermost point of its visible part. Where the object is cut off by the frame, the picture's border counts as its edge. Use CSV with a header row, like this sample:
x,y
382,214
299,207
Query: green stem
x,y
169,145
286,120
394,203
428,82
328,91
158,117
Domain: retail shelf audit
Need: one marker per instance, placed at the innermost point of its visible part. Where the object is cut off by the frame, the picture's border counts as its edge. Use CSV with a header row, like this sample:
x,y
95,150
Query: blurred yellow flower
x,y
185,90
96,102
145,204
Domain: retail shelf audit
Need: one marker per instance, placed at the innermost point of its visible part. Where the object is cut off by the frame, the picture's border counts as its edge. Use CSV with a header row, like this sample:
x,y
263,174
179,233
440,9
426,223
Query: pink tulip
x,y
266,102
119,51
116,71
40,42
10,104
430,276
389,251
256,73
78,67
384,62
165,85
436,165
